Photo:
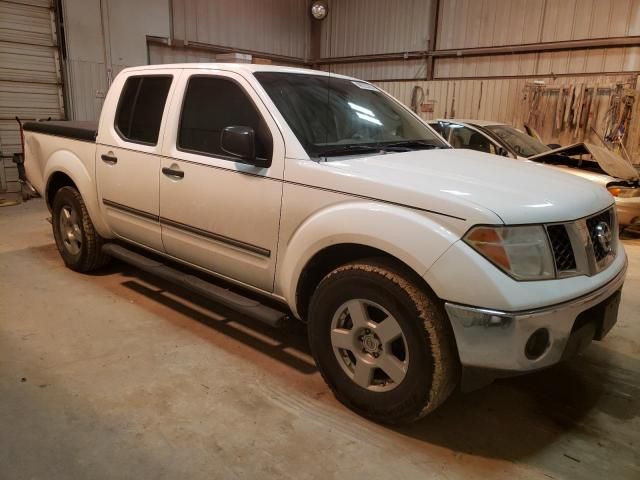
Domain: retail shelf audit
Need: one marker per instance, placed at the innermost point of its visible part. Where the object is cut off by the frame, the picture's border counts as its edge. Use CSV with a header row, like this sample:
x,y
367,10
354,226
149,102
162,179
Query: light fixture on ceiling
x,y
319,9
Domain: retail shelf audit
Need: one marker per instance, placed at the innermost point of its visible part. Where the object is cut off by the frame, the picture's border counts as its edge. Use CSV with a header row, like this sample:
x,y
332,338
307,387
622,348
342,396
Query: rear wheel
x,y
79,244
381,342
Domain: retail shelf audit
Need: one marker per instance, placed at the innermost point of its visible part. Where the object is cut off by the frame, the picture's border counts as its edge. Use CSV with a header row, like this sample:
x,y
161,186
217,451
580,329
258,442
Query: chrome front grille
x,y
593,227
562,250
586,246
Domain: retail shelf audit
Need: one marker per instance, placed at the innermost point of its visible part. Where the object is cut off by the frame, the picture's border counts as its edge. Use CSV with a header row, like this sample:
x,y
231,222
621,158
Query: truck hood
x,y
610,162
466,183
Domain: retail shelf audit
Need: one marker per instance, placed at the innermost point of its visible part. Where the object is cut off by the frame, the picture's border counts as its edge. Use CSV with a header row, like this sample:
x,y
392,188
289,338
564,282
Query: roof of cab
x,y
237,67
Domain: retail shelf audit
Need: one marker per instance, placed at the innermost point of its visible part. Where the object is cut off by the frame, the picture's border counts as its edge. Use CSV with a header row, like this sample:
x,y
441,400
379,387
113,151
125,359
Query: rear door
x,y
128,156
217,212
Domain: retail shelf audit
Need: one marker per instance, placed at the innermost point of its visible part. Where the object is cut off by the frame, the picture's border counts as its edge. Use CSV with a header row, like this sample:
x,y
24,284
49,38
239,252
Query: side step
x,y
235,301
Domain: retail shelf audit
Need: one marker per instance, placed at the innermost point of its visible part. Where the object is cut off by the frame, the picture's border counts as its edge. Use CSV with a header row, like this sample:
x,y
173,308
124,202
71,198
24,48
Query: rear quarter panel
x,y
47,154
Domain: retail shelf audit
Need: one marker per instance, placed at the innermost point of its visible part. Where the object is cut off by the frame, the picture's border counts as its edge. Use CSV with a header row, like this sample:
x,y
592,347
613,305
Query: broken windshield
x,y
519,142
330,115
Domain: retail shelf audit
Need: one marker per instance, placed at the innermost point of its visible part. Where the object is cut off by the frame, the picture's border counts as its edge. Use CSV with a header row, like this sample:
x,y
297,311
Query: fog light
x,y
537,344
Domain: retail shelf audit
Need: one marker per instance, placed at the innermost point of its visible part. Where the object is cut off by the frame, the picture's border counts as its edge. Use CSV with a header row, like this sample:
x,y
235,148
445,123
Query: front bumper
x,y
495,340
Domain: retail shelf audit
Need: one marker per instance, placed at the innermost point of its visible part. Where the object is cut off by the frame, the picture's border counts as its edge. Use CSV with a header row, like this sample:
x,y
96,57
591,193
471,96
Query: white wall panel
x,y
272,26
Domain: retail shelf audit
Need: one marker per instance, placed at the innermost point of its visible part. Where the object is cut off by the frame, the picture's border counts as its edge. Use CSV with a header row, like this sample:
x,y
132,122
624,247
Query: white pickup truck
x,y
416,266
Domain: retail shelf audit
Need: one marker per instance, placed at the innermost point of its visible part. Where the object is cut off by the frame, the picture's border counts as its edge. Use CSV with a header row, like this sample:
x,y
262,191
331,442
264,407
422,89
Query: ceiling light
x,y
319,10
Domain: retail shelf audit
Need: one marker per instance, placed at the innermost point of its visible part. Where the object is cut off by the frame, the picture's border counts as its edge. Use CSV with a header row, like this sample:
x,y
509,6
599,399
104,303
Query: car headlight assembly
x,y
624,192
522,252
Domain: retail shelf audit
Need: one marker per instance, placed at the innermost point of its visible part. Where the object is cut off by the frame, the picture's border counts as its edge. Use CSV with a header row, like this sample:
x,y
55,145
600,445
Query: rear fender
x,y
77,170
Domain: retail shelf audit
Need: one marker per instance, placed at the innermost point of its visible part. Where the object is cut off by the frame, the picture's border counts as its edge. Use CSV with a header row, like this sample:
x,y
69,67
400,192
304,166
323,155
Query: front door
x,y
128,161
217,212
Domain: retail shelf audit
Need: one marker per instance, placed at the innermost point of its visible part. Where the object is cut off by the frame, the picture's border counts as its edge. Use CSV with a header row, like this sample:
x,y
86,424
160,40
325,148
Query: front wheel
x,y
79,244
381,342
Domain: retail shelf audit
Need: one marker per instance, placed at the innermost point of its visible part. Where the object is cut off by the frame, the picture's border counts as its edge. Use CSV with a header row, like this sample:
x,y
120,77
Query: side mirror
x,y
240,142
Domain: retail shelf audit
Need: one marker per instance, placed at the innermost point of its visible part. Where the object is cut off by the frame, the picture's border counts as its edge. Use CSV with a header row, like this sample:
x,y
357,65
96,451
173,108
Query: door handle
x,y
110,159
175,174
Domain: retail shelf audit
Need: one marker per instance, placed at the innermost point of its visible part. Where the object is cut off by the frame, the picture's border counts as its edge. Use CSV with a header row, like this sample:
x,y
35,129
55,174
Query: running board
x,y
235,301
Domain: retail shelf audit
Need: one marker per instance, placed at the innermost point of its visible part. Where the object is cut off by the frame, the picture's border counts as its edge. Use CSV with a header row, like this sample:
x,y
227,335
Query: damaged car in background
x,y
585,160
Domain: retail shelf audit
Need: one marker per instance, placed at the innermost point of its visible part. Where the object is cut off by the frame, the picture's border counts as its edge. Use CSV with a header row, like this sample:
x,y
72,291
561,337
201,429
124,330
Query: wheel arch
x,y
64,168
409,238
332,257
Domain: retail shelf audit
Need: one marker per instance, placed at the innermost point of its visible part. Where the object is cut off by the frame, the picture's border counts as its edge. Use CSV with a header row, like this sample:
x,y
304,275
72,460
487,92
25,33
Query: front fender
x,y
415,238
67,162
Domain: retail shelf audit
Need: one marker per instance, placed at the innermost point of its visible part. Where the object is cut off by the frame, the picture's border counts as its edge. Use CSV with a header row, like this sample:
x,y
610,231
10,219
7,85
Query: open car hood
x,y
612,163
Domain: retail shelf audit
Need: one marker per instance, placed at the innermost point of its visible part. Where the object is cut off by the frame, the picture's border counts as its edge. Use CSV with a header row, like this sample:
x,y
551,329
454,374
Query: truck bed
x,y
78,130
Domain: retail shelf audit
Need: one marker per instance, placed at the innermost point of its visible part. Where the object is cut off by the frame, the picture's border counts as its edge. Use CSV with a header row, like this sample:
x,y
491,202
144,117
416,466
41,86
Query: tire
x,y
406,377
79,244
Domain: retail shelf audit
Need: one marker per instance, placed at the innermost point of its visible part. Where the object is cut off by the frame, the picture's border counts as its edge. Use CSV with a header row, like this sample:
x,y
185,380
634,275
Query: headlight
x,y
624,192
522,252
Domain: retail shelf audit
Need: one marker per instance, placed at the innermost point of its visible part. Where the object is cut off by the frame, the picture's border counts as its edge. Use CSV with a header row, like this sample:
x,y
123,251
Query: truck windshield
x,y
334,116
518,141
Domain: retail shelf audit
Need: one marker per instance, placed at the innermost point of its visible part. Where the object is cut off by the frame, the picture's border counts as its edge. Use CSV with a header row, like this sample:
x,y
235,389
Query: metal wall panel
x,y
363,27
388,70
272,26
30,78
159,54
486,23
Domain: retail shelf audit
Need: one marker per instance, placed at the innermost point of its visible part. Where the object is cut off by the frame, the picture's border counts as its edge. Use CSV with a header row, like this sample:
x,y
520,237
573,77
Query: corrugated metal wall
x,y
597,60
30,78
359,27
102,38
272,26
485,23
387,70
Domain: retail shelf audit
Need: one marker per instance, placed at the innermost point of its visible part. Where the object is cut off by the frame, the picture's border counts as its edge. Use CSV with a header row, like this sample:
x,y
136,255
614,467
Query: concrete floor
x,y
117,375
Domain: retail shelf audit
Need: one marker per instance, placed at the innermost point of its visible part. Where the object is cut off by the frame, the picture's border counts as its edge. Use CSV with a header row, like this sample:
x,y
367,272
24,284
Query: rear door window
x,y
140,108
210,105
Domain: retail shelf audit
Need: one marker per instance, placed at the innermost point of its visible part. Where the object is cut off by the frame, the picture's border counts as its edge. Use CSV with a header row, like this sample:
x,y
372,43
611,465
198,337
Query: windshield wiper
x,y
349,150
410,145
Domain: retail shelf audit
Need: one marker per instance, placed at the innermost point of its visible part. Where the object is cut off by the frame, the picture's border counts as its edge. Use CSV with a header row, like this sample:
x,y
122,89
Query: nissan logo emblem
x,y
603,234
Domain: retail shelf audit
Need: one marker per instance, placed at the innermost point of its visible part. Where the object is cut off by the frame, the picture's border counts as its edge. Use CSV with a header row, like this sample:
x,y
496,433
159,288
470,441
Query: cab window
x,y
210,105
140,108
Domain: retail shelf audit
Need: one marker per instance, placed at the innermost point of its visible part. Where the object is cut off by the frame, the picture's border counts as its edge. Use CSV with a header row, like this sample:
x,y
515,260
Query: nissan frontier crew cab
x,y
416,267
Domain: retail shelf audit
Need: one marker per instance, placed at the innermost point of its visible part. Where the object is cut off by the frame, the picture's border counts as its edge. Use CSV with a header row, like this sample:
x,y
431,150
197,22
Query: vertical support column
x,y
633,139
315,41
434,15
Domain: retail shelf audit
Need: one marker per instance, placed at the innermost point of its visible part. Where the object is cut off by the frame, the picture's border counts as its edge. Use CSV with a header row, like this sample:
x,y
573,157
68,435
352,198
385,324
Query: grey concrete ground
x,y
117,375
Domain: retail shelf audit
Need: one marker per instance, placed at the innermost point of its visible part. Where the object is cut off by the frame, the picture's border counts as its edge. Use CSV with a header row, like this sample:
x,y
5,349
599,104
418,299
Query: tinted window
x,y
141,106
210,105
326,112
464,137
